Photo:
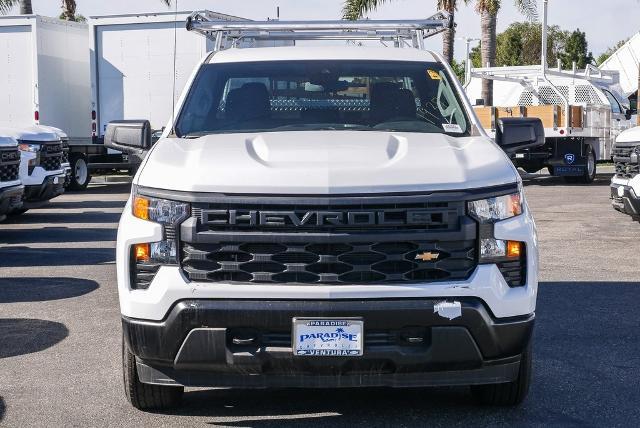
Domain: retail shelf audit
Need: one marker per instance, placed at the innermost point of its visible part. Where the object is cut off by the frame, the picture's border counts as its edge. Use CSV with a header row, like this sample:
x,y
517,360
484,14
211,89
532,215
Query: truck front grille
x,y
329,263
624,167
51,156
9,165
332,240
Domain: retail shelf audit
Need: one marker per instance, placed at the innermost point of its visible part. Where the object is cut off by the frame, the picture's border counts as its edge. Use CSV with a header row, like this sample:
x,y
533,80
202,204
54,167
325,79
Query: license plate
x,y
327,337
568,170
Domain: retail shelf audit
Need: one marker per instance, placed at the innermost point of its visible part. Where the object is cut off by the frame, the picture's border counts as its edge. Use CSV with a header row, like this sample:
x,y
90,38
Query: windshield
x,y
322,95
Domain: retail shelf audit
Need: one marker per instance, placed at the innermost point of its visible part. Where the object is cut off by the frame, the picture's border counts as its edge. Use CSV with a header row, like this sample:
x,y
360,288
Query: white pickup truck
x,y
42,165
330,216
625,184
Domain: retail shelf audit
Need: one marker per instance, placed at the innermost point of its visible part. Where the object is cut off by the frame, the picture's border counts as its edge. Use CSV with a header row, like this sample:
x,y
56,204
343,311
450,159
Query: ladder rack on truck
x,y
401,33
582,112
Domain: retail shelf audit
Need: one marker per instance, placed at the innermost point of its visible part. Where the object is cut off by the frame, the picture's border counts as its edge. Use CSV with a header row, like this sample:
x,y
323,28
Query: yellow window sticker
x,y
433,74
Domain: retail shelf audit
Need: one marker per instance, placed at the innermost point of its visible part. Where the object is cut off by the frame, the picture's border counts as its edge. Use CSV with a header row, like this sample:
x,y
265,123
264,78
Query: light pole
x,y
467,63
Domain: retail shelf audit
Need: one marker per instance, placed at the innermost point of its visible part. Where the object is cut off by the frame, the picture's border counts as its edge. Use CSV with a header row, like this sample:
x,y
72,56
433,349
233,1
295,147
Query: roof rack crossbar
x,y
228,33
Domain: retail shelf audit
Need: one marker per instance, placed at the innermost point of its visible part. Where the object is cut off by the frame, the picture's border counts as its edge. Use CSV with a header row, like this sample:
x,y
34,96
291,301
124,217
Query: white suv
x,y
326,217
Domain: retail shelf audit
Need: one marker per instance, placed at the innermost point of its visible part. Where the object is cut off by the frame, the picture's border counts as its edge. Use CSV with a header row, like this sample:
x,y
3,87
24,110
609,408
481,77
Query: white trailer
x,y
44,75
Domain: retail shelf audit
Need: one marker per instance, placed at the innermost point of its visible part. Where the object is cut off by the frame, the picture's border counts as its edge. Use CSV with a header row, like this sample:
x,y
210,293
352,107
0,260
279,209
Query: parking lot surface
x,y
60,330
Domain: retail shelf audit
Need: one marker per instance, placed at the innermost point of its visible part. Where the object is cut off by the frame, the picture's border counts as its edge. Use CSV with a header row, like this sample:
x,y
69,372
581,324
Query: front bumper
x,y
625,200
51,187
194,345
10,199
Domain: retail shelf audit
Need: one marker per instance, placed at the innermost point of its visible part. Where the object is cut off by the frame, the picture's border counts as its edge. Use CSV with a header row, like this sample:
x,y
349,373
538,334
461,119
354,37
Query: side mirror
x,y
128,136
628,113
513,133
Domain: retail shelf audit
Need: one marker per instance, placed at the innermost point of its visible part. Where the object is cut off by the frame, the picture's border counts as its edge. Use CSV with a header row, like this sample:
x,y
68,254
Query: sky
x,y
605,22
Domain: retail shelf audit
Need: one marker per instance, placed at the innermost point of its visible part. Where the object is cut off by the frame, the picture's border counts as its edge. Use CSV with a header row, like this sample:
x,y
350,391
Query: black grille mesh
x,y
9,165
317,263
622,160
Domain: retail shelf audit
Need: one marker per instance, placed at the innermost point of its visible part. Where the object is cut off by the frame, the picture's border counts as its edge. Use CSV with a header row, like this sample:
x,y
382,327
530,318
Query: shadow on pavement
x,y
38,289
86,204
546,180
3,406
65,217
67,256
586,371
58,235
20,336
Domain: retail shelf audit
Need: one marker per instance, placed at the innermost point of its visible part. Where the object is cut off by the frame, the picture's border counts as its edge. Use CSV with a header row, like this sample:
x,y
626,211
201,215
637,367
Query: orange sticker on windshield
x,y
433,74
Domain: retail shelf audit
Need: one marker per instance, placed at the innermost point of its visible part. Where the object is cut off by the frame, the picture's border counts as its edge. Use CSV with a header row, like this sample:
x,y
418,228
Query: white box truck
x,y
44,74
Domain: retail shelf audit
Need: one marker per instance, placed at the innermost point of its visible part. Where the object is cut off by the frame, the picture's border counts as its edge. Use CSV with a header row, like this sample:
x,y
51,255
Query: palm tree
x,y
355,9
488,10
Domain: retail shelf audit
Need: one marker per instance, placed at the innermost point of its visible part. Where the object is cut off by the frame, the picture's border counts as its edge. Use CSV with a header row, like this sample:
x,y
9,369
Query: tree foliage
x,y
610,51
521,44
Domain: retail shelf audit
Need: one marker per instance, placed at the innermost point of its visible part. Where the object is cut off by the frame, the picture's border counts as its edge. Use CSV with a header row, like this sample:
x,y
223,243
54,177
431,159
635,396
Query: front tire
x,y
144,396
80,175
508,394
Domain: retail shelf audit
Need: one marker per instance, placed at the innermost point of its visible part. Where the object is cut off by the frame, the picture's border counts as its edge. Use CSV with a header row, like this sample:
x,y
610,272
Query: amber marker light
x,y
514,249
141,207
142,252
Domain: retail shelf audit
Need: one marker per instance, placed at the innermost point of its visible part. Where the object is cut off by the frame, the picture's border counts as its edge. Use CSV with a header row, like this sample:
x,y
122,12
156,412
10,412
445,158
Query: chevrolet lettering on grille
x,y
255,218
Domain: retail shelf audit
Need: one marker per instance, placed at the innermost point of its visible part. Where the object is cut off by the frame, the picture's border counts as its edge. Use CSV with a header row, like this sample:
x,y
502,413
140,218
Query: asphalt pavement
x,y
60,330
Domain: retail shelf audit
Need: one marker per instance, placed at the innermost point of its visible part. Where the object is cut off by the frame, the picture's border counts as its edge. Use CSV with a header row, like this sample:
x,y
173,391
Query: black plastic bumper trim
x,y
628,203
196,340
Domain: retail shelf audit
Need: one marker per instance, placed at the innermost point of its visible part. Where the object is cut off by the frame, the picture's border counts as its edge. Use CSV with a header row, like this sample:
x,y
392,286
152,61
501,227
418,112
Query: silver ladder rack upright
x,y
401,33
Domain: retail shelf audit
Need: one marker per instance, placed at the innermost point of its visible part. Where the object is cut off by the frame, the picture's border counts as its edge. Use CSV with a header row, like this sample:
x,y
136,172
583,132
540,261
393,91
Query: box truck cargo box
x,y
44,74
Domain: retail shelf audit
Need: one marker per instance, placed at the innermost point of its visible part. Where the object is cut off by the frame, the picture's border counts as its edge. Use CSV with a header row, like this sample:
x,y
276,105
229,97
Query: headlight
x,y
163,211
495,209
29,147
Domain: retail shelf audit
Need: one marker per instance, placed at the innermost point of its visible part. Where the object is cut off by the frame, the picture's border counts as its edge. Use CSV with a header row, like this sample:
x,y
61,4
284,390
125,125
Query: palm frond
x,y
528,8
355,9
7,5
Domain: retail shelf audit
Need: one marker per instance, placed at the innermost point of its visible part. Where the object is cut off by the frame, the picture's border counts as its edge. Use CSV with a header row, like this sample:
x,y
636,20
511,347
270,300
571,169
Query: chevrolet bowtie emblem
x,y
427,256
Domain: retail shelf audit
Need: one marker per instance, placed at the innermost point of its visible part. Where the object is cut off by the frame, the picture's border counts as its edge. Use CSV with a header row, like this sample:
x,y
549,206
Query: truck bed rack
x,y
403,33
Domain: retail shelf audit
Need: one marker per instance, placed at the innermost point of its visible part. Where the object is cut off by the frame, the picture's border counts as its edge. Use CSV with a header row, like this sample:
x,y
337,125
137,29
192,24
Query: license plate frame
x,y
335,342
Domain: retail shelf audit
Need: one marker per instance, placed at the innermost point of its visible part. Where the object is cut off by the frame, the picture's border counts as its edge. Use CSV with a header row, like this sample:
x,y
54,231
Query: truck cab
x,y
11,189
41,164
325,217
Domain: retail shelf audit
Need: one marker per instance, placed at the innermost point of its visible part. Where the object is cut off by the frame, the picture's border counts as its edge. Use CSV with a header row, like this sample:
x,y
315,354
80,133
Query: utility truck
x,y
11,189
582,111
325,216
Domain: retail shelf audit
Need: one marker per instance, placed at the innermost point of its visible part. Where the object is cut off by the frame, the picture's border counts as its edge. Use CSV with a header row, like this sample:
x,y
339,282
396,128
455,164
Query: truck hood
x,y
328,162
6,141
629,136
31,133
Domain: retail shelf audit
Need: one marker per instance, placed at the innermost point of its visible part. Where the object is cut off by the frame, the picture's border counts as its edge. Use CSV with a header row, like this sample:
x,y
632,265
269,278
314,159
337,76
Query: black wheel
x,y
80,175
508,394
589,172
143,396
